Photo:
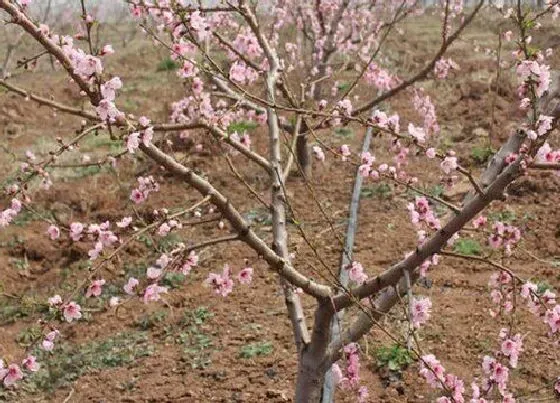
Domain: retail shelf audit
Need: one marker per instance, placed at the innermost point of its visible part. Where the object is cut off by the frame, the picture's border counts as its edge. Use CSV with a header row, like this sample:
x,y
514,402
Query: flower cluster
x,y
434,373
146,185
546,154
542,305
501,286
8,215
366,168
443,66
496,374
145,135
167,226
379,77
190,262
223,283
12,373
356,272
421,211
381,119
531,72
426,109
352,378
95,288
242,74
511,347
504,236
420,310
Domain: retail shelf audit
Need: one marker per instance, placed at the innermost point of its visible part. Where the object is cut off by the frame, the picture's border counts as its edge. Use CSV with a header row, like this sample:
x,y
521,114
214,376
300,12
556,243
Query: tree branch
x,y
246,234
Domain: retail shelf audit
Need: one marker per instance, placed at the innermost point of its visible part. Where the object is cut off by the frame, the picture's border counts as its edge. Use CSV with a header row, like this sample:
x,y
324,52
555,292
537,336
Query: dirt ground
x,y
198,347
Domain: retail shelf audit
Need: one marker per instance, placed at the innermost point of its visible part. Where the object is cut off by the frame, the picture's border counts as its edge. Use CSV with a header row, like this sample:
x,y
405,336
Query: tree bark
x,y
309,384
302,153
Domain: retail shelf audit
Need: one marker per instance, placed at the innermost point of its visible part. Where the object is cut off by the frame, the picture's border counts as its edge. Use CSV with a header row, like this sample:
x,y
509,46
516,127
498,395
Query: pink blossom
x,y
380,118
552,319
114,301
241,73
163,261
48,342
188,70
30,363
76,229
525,103
345,106
549,297
364,170
11,375
16,205
71,311
417,132
152,293
107,50
527,289
192,260
125,222
443,66
431,152
147,136
356,272
55,300
544,124
432,371
245,276
153,272
106,110
137,196
495,241
130,286
449,164
132,142
54,232
222,284
109,88
198,23
97,249
197,86
500,374
164,229
319,154
144,121
345,151
95,288
378,77
480,221
421,308
363,394
456,386
511,348
367,158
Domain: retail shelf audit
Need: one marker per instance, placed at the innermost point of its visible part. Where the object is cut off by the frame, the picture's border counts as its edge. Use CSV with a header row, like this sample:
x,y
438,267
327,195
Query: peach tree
x,y
281,65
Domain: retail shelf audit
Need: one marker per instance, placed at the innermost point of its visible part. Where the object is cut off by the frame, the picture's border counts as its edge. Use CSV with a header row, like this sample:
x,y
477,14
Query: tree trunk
x,y
310,381
302,152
